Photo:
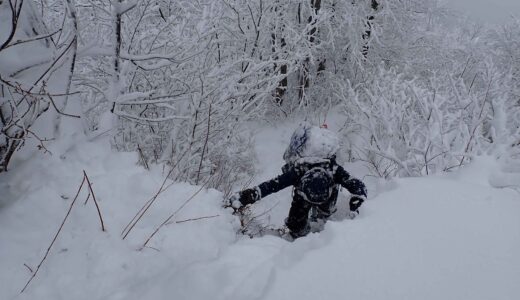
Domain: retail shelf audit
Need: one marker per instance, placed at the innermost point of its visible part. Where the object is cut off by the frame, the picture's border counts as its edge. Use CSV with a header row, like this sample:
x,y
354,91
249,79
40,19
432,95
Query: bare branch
x,y
28,268
57,110
137,217
15,15
95,201
194,219
32,39
175,213
55,237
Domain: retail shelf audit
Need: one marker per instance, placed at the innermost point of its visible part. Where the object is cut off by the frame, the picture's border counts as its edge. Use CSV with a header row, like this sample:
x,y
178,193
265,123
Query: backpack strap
x,y
302,165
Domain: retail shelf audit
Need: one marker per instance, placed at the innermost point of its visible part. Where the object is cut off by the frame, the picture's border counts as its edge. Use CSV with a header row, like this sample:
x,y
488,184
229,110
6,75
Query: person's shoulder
x,y
287,168
339,169
334,163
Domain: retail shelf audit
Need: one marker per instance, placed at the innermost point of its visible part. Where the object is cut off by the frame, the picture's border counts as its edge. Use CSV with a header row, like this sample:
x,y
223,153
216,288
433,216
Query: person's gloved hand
x,y
233,201
249,196
243,198
354,204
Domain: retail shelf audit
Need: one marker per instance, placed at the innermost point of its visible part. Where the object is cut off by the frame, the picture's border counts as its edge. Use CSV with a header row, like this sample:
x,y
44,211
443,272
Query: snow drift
x,y
451,236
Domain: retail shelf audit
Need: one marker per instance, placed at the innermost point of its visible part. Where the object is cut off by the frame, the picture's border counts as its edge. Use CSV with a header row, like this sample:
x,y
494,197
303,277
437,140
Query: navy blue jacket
x,y
292,176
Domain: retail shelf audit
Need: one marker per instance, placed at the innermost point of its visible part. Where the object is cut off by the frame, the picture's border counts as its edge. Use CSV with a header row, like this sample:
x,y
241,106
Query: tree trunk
x,y
304,71
115,90
368,32
72,13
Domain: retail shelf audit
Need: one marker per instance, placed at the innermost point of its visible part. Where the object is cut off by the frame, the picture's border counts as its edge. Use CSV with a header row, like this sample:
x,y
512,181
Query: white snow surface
x,y
451,236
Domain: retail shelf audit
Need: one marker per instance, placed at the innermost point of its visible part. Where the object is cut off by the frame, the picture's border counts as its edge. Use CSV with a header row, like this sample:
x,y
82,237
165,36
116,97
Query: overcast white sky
x,y
492,11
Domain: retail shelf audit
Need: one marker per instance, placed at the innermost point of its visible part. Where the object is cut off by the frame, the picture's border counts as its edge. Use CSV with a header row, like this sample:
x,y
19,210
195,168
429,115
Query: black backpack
x,y
311,152
317,182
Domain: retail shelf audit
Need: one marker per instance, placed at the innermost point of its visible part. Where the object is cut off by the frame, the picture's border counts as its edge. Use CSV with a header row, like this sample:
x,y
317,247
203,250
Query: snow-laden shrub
x,y
30,71
507,59
409,126
177,74
178,78
432,96
210,147
151,68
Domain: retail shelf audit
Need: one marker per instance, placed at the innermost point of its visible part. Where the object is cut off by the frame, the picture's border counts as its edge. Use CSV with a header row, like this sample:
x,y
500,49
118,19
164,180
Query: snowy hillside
x,y
126,125
451,236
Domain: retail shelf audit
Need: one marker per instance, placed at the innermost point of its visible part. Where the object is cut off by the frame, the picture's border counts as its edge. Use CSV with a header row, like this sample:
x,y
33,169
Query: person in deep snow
x,y
312,170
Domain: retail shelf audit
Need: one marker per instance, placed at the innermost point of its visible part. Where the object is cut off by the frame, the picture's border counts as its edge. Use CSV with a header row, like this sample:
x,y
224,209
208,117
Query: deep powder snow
x,y
451,236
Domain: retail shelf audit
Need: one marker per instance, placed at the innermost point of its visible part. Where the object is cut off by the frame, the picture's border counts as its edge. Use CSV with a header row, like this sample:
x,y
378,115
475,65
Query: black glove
x,y
249,196
233,202
355,203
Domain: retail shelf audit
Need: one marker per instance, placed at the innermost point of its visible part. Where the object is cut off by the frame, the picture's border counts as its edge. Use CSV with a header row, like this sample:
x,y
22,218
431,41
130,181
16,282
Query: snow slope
x,y
449,236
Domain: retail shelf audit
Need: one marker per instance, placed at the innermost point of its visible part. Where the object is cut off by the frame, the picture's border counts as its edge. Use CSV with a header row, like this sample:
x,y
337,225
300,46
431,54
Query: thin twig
x,y
244,214
128,228
194,219
153,248
55,237
15,15
60,112
175,212
47,70
143,159
29,268
480,121
41,145
35,38
86,200
19,89
205,144
95,201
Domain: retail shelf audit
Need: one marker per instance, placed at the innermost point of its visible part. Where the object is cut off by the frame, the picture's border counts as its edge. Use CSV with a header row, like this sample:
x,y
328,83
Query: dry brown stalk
x,y
175,212
86,200
137,217
195,219
55,237
28,268
91,192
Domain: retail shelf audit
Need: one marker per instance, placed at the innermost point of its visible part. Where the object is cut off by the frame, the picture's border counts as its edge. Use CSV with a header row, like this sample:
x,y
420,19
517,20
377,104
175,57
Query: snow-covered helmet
x,y
310,141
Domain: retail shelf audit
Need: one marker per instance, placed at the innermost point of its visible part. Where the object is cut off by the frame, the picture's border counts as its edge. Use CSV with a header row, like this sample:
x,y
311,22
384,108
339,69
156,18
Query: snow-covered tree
x,y
31,57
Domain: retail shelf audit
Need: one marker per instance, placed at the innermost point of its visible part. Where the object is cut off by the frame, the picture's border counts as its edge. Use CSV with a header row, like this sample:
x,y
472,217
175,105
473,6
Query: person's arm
x,y
264,189
355,186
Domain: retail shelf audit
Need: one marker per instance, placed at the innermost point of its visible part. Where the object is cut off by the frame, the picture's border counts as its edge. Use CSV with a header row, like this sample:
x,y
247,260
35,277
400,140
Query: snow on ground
x,y
86,263
449,236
